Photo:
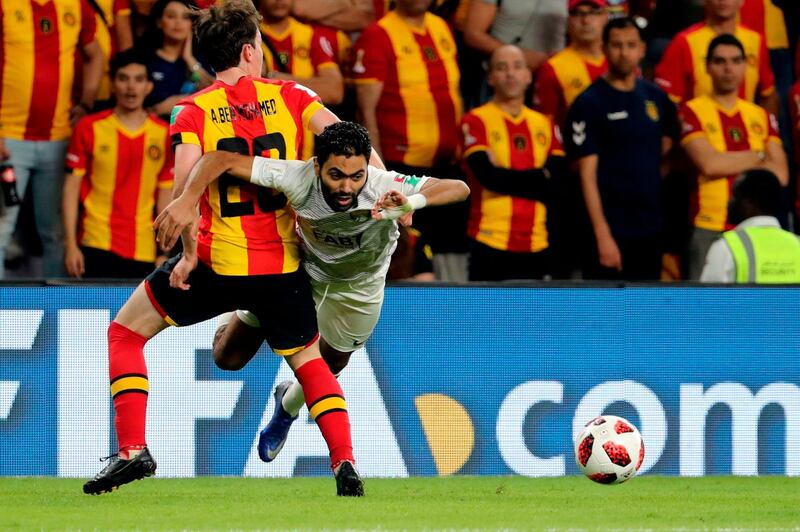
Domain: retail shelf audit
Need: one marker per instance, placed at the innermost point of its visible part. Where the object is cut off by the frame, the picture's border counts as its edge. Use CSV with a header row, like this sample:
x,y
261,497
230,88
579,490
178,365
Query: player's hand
x,y
180,273
609,254
74,262
391,206
175,217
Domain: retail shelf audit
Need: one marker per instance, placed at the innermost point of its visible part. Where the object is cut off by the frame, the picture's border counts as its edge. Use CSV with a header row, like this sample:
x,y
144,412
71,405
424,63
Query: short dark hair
x,y
762,189
131,56
620,23
223,30
342,138
723,39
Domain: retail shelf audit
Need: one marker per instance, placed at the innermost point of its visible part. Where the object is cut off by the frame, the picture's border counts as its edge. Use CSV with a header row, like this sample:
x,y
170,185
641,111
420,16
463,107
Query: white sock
x,y
293,400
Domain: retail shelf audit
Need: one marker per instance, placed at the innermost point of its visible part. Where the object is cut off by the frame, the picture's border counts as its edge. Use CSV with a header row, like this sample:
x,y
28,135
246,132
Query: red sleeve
x,y
88,24
473,135
301,101
670,74
80,147
322,52
121,7
766,81
186,124
773,129
690,124
557,144
547,97
373,52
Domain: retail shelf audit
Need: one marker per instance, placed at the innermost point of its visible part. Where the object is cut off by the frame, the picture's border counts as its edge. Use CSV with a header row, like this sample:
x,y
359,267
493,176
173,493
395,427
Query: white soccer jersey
x,y
339,246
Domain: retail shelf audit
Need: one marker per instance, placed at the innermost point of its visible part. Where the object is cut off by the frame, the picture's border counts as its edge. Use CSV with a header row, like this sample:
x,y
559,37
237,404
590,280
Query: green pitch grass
x,y
653,503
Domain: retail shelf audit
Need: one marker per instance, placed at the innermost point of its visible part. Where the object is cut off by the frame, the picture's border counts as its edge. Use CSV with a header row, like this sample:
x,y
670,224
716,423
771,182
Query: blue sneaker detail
x,y
273,436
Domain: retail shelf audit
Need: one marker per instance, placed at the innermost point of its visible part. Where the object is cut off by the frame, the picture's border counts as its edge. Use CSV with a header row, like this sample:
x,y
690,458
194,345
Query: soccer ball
x,y
609,450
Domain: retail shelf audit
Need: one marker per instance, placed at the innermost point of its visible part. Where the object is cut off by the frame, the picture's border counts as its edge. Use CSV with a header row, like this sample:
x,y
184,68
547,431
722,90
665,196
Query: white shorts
x,y
348,312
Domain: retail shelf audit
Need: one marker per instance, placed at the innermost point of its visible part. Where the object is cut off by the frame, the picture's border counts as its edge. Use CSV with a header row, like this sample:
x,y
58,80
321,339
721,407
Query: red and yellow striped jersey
x,y
38,43
744,127
303,50
682,70
420,105
107,38
520,143
562,78
246,229
768,20
122,171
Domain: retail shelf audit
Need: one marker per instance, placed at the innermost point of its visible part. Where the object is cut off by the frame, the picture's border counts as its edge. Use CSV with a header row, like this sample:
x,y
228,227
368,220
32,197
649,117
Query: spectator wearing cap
x,y
619,130
757,250
559,81
567,74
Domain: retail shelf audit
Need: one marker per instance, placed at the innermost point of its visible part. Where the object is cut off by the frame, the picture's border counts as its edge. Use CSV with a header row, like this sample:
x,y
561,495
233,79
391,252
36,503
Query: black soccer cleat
x,y
348,481
119,472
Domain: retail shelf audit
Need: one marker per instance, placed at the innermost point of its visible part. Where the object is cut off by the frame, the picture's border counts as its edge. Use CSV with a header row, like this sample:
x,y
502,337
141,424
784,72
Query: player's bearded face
x,y
342,179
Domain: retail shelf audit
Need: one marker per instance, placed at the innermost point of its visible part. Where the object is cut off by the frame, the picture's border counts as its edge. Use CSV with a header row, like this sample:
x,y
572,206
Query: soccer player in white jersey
x,y
346,218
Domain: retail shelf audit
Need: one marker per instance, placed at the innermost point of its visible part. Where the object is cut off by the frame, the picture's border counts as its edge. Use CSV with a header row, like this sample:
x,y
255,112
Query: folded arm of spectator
x,y
776,162
534,183
345,15
714,164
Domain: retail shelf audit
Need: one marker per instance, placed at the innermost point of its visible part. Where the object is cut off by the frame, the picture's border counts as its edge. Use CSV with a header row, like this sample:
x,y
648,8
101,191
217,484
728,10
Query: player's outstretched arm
x,y
434,192
180,213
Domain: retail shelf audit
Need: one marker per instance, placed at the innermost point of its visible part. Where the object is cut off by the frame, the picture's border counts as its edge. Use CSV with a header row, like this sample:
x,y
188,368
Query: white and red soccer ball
x,y
609,450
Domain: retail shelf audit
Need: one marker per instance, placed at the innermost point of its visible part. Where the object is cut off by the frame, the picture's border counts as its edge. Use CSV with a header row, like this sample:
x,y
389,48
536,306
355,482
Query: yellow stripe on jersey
x,y
98,204
17,73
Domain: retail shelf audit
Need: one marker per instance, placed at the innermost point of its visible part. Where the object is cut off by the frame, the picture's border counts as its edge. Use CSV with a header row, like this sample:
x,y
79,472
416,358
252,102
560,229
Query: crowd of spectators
x,y
600,138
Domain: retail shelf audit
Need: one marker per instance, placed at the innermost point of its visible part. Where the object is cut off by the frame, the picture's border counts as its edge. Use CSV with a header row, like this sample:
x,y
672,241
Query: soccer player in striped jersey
x,y
346,212
119,168
725,135
245,255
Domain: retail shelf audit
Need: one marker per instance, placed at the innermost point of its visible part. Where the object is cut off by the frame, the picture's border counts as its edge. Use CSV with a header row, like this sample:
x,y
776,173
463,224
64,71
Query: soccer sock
x,y
326,405
293,400
128,374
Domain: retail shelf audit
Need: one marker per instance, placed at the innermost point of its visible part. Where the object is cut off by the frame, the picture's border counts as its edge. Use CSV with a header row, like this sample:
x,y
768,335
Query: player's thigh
x,y
348,312
285,310
236,343
139,315
209,294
